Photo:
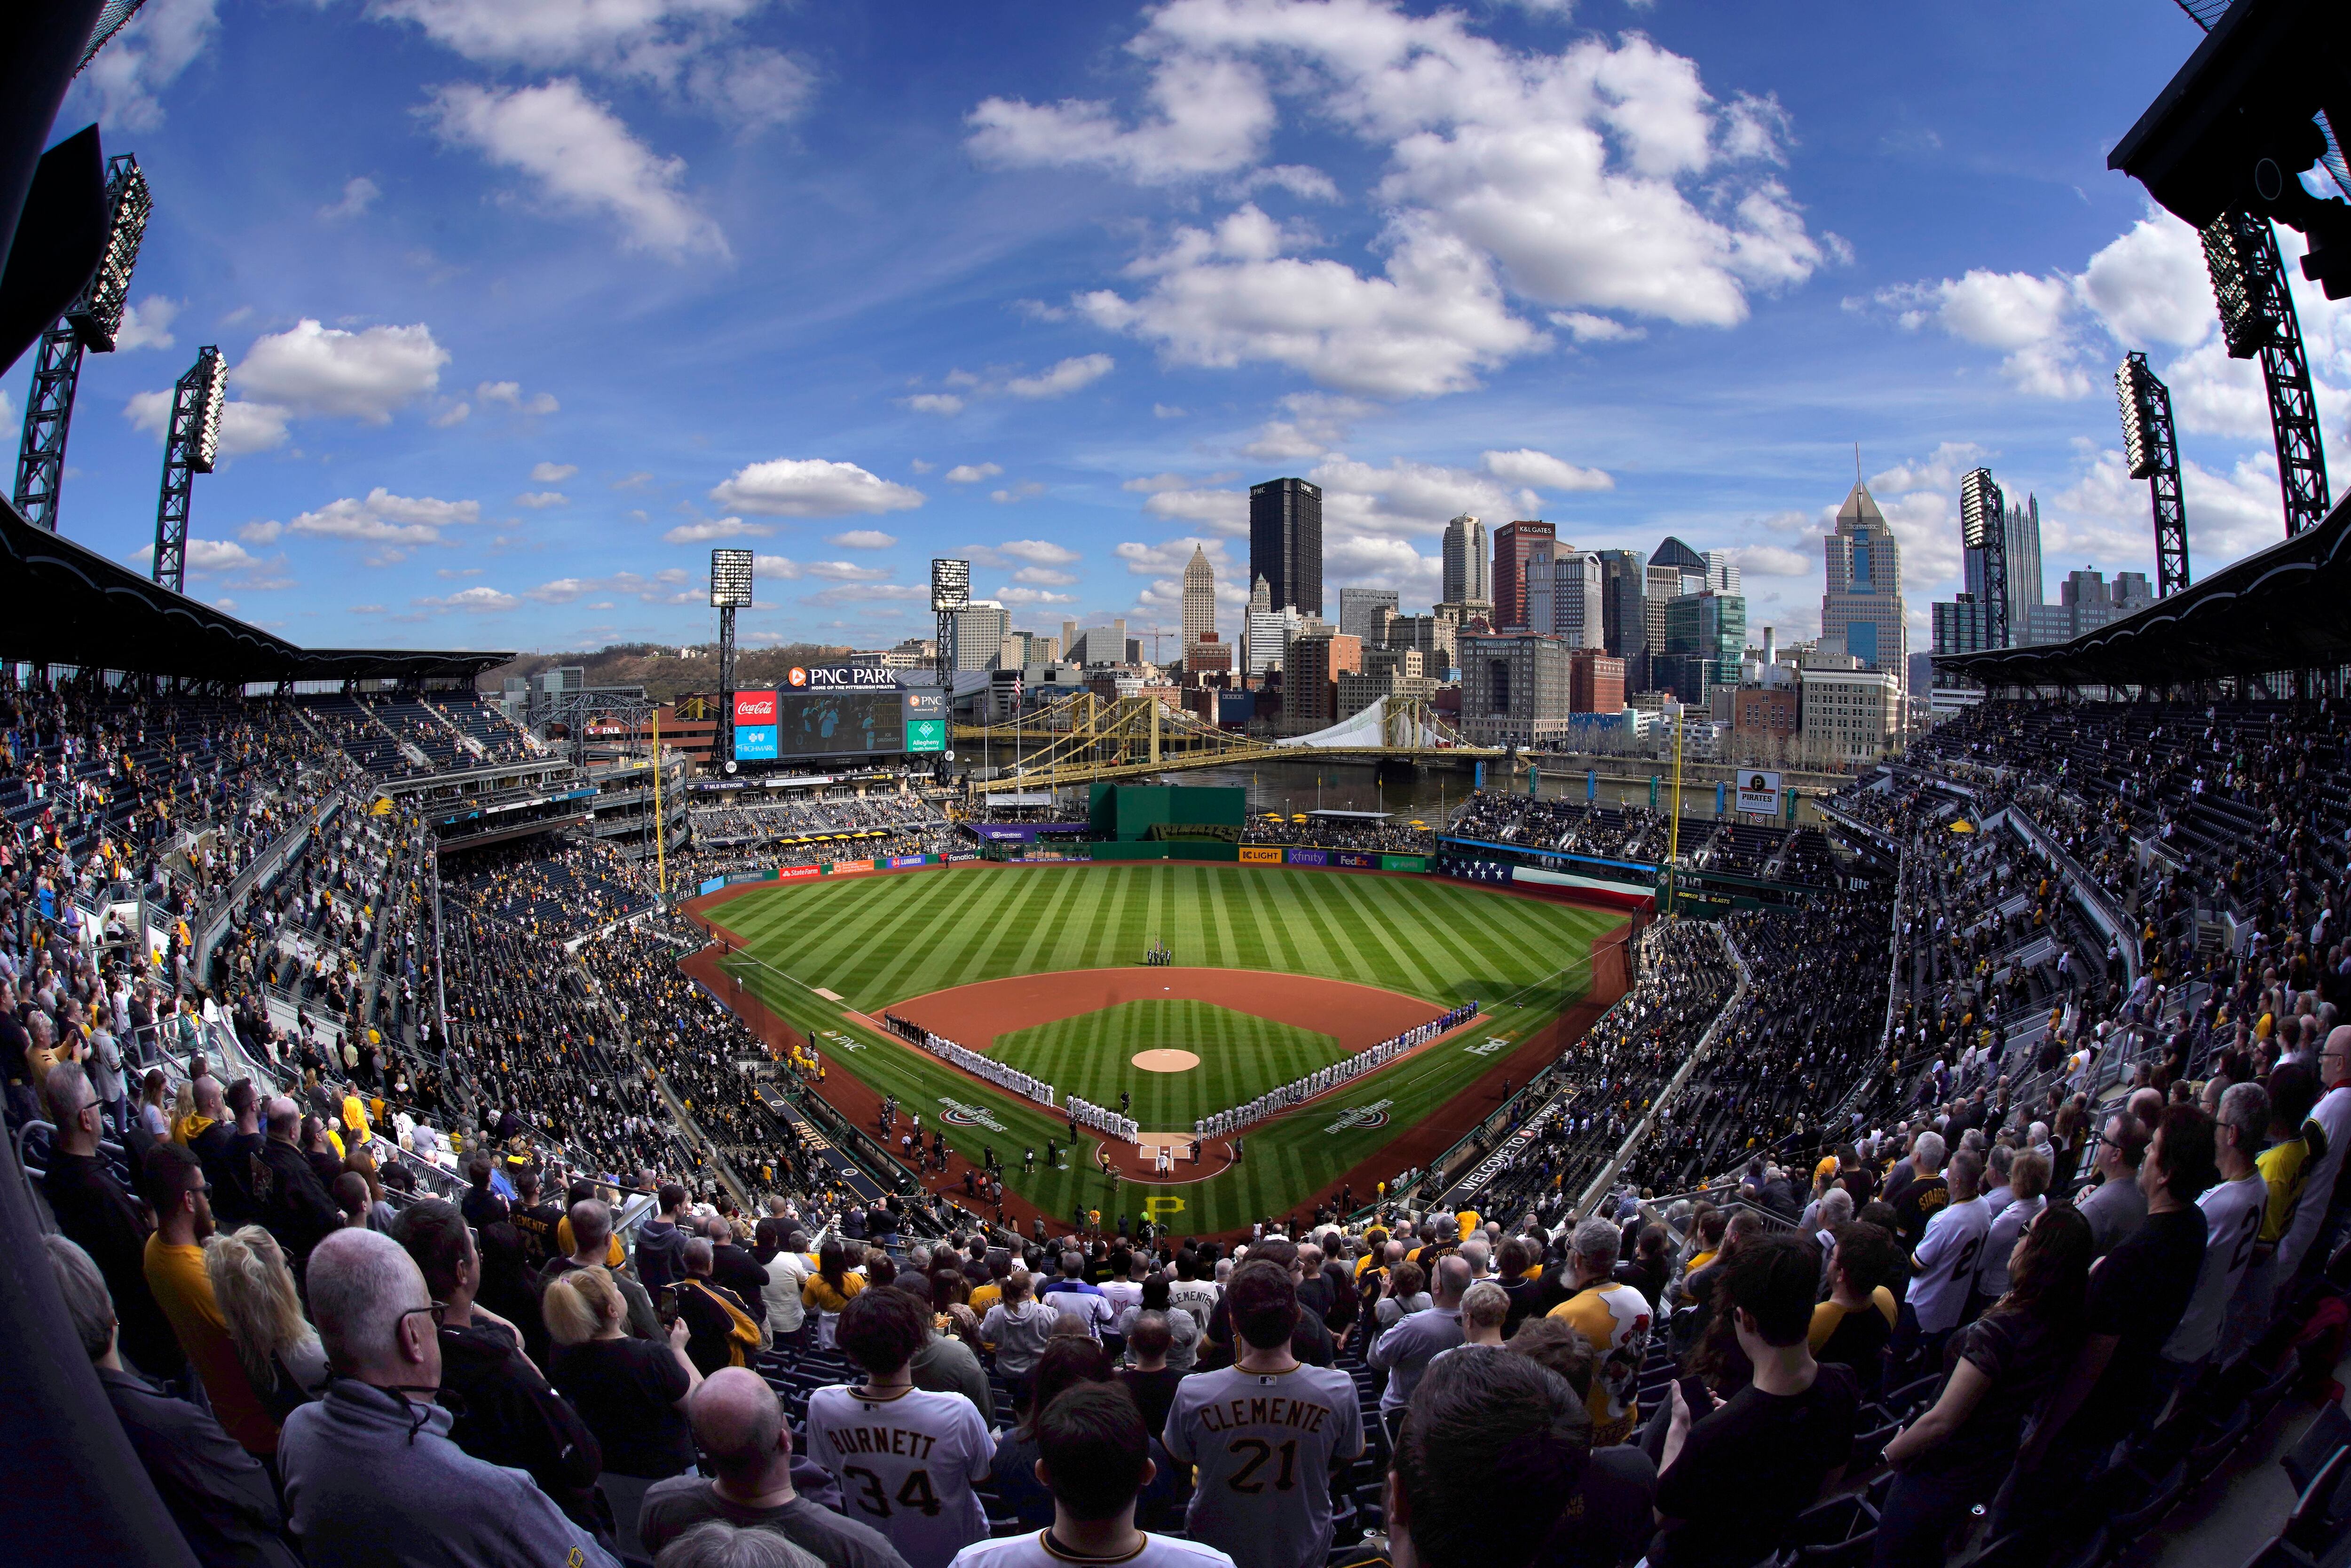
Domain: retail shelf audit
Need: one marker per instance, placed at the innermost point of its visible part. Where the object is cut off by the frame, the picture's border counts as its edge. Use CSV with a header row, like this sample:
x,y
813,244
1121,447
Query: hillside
x,y
663,675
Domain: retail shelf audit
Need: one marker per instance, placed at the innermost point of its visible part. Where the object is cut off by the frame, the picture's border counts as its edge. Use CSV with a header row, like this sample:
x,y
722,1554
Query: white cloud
x,y
1431,322
246,427
539,501
1044,577
1167,411
1774,561
1318,424
1170,557
359,194
312,370
811,487
130,74
1015,595
1600,177
1407,497
1019,552
2018,313
582,157
553,473
1027,489
381,519
971,473
695,49
480,599
508,395
845,572
1062,379
1586,328
1225,511
1541,470
774,566
862,539
455,414
147,325
945,403
715,529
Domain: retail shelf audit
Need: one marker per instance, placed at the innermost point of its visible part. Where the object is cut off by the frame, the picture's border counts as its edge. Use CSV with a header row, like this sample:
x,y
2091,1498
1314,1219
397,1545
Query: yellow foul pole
x,y
1674,835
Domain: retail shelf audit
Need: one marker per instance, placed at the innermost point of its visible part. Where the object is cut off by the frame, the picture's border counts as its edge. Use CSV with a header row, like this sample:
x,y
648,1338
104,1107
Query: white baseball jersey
x,y
907,1466
1948,1255
1037,1551
1264,1443
2233,1223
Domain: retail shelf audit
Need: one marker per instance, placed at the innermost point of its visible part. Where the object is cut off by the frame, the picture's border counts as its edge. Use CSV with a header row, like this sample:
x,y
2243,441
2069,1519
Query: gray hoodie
x,y
371,1479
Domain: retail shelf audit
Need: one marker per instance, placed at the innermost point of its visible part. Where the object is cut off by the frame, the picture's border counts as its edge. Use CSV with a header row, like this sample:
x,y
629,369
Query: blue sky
x,y
530,302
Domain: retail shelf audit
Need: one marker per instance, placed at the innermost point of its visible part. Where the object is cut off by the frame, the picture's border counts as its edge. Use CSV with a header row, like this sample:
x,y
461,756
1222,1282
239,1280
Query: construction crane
x,y
2153,454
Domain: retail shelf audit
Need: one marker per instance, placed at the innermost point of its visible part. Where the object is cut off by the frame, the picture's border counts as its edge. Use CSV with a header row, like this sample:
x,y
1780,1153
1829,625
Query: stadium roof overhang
x,y
70,605
2279,610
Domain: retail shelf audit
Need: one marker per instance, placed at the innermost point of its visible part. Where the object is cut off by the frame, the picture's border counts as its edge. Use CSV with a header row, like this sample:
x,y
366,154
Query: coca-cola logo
x,y
755,707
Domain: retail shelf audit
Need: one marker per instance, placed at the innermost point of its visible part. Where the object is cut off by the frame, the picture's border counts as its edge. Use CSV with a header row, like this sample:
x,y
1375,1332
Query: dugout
x,y
1129,813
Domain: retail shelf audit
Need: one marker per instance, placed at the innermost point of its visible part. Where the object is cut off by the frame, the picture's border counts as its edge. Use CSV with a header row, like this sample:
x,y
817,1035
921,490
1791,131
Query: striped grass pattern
x,y
1241,1056
879,940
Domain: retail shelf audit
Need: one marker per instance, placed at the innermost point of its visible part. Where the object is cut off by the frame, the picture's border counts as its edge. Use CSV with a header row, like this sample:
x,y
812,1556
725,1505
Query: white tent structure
x,y
1388,722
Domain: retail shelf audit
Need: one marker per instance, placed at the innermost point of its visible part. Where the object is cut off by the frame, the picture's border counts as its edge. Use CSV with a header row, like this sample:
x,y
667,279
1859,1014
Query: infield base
x,y
1166,1060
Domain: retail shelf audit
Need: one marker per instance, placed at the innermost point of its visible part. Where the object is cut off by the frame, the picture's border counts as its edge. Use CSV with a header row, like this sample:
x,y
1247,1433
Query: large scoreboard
x,y
829,712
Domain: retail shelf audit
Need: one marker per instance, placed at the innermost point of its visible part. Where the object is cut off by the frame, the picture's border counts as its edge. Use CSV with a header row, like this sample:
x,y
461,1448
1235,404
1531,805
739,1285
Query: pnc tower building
x,y
1286,541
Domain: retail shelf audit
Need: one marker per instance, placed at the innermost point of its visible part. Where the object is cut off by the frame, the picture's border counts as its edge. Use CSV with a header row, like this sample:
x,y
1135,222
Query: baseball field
x,y
1273,973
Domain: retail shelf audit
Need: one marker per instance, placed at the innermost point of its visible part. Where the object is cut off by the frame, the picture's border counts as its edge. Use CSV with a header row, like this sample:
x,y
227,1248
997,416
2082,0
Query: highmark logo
x,y
1374,1115
958,1115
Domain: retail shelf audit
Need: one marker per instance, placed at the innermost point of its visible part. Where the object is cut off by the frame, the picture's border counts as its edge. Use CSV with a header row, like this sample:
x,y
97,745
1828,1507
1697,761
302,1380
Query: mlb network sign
x,y
839,677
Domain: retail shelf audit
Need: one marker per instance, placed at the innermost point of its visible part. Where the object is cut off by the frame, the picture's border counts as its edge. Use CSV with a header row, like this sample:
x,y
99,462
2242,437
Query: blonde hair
x,y
1484,1304
183,1106
255,1292
579,1304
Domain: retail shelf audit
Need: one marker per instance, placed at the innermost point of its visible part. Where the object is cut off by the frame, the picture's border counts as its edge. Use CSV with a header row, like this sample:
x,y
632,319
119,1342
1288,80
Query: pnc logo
x,y
796,677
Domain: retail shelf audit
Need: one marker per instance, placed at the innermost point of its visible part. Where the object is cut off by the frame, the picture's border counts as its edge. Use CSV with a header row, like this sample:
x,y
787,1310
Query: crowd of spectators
x,y
1395,833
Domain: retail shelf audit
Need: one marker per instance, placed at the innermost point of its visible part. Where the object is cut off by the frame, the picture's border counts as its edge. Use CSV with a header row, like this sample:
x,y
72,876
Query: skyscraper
x,y
1364,611
1516,544
1862,601
1674,571
1625,631
1466,578
1286,541
1200,598
2021,528
1721,575
1579,599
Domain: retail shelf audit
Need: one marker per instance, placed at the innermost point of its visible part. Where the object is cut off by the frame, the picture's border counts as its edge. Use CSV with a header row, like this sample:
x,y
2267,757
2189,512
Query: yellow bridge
x,y
1085,739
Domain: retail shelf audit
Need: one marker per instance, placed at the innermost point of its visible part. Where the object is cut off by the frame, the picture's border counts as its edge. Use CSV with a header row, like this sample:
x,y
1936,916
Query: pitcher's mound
x,y
1165,1061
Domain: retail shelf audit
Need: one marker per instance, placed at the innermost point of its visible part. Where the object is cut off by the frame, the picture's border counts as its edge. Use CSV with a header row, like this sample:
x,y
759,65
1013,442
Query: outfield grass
x,y
1240,1057
878,940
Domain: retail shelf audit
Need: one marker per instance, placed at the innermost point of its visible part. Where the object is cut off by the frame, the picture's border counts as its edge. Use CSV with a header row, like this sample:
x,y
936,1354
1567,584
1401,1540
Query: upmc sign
x,y
755,707
839,677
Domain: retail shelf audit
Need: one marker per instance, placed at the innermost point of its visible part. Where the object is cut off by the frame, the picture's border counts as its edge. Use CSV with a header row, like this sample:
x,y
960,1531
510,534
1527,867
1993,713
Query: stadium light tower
x,y
1983,526
2257,318
730,590
2152,456
950,595
189,450
88,325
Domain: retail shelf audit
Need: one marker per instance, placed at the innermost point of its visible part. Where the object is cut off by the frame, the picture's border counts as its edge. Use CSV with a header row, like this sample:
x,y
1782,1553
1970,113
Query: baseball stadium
x,y
1271,975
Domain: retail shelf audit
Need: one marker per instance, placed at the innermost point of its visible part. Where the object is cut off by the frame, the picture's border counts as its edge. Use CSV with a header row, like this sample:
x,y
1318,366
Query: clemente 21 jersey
x,y
907,1465
1264,1443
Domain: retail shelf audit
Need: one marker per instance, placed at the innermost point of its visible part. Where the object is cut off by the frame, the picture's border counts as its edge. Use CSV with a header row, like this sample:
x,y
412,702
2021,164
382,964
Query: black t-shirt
x,y
1154,1394
1607,1519
1920,1202
2024,1358
627,1391
1748,1468
2138,1291
1857,1343
535,1225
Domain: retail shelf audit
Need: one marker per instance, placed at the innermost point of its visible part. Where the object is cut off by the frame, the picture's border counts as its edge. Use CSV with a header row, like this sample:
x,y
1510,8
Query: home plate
x,y
1165,1061
828,996
1177,1147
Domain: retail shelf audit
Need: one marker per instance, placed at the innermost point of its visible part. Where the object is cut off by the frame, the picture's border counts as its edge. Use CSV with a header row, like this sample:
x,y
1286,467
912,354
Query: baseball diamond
x,y
1274,973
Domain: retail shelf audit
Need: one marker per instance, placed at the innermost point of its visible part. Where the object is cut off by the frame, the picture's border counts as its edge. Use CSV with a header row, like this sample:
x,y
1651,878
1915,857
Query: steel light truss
x,y
2257,318
190,449
88,325
1983,526
2154,456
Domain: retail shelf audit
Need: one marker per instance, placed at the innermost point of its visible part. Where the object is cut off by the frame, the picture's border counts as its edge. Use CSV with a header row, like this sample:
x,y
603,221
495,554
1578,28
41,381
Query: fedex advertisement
x,y
755,707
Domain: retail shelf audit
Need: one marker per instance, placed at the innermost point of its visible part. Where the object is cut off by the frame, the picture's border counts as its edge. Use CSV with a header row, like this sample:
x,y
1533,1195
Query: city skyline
x,y
520,321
